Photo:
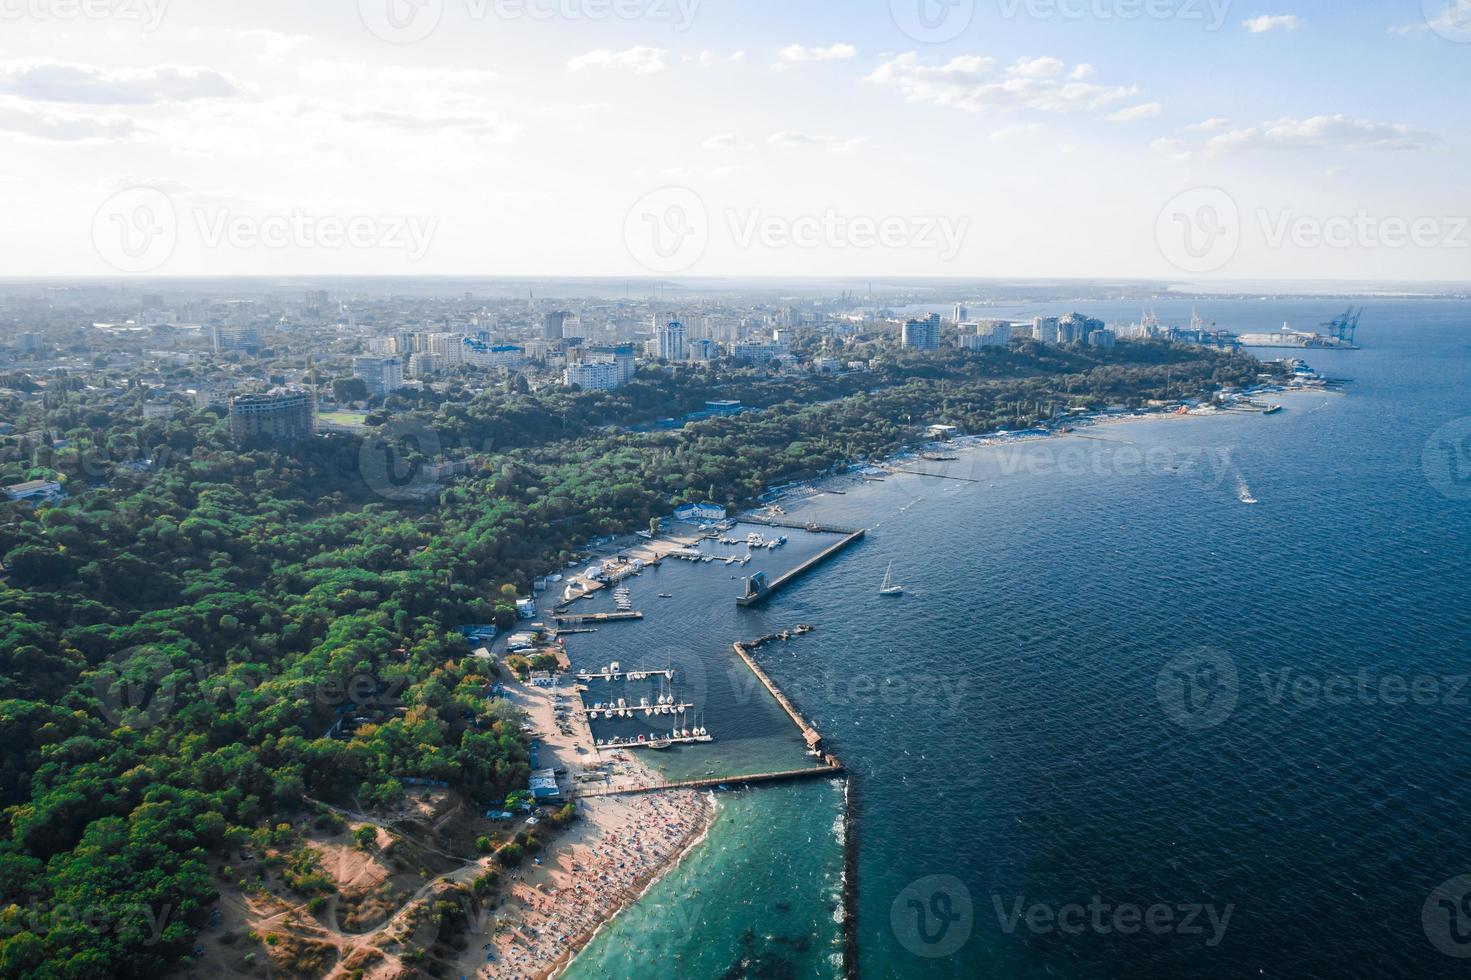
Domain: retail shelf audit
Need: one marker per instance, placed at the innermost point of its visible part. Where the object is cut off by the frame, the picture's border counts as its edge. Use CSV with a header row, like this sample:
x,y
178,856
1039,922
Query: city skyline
x,y
1188,141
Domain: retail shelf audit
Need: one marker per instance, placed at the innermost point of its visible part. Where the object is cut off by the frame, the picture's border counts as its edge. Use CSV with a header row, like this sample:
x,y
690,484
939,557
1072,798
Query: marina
x,y
606,617
615,672
610,711
759,589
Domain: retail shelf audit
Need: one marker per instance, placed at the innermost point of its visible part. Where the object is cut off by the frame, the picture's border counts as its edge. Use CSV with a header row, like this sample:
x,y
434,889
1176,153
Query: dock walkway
x,y
605,617
835,769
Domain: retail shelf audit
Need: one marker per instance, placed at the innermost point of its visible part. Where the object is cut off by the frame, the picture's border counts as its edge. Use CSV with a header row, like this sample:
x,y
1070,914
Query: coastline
x,y
798,495
856,475
592,869
695,840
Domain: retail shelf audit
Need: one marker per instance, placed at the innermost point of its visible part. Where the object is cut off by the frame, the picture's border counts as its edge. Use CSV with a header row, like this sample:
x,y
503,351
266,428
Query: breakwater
x,y
850,880
758,590
810,735
834,768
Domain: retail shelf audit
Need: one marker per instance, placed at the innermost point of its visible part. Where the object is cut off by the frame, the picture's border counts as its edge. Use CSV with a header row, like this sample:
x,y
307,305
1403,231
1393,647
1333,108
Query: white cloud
x,y
1211,125
1135,113
726,141
475,125
795,53
1454,24
970,83
1336,132
43,123
273,45
1082,71
791,139
1173,147
55,81
640,60
1270,22
447,77
1037,68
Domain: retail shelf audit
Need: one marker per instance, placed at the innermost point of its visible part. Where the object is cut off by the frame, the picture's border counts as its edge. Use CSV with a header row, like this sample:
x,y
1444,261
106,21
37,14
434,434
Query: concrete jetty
x,y
606,617
759,590
936,476
790,775
812,526
810,735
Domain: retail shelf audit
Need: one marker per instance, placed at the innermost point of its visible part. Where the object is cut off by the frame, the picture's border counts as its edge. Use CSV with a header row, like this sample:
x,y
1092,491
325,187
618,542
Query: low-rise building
x,y
544,786
36,491
758,353
699,513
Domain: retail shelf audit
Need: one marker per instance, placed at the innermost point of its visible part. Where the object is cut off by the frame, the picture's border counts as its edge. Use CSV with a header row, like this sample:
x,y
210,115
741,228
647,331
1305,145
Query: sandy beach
x,y
546,912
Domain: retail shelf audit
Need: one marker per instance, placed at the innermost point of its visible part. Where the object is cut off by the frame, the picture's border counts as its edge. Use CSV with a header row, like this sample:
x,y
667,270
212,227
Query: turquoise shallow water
x,y
730,910
1030,727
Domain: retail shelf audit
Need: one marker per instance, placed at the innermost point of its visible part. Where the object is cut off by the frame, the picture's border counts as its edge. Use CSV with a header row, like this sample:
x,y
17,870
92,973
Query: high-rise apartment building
x,y
284,414
923,334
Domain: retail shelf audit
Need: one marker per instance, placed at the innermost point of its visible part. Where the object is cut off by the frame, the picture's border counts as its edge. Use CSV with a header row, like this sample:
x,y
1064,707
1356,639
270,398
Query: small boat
x,y
889,588
1273,409
665,595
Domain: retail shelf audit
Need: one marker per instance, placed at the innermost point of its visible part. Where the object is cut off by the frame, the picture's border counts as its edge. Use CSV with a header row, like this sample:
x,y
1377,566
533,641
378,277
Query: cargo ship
x,y
1342,335
1296,339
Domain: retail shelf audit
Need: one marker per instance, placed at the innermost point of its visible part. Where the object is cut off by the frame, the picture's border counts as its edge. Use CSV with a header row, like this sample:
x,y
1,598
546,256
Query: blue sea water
x,y
1120,693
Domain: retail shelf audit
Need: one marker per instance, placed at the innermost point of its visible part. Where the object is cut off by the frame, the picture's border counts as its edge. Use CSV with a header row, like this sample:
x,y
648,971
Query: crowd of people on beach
x,y
550,912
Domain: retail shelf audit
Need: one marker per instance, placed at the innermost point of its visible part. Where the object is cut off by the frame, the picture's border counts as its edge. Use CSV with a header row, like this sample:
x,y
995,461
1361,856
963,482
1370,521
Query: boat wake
x,y
1243,492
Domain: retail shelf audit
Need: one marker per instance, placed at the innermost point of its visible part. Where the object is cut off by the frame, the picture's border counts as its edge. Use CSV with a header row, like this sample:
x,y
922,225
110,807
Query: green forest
x,y
182,634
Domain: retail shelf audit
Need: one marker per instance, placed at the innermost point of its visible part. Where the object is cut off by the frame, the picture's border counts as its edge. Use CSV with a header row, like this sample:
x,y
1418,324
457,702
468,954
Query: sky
x,y
1154,139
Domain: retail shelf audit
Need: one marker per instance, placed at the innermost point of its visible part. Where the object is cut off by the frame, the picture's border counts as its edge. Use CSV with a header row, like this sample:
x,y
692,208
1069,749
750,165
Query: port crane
x,y
1346,327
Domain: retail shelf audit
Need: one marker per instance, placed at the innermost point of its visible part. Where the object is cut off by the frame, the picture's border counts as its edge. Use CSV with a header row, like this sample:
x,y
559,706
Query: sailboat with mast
x,y
889,587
